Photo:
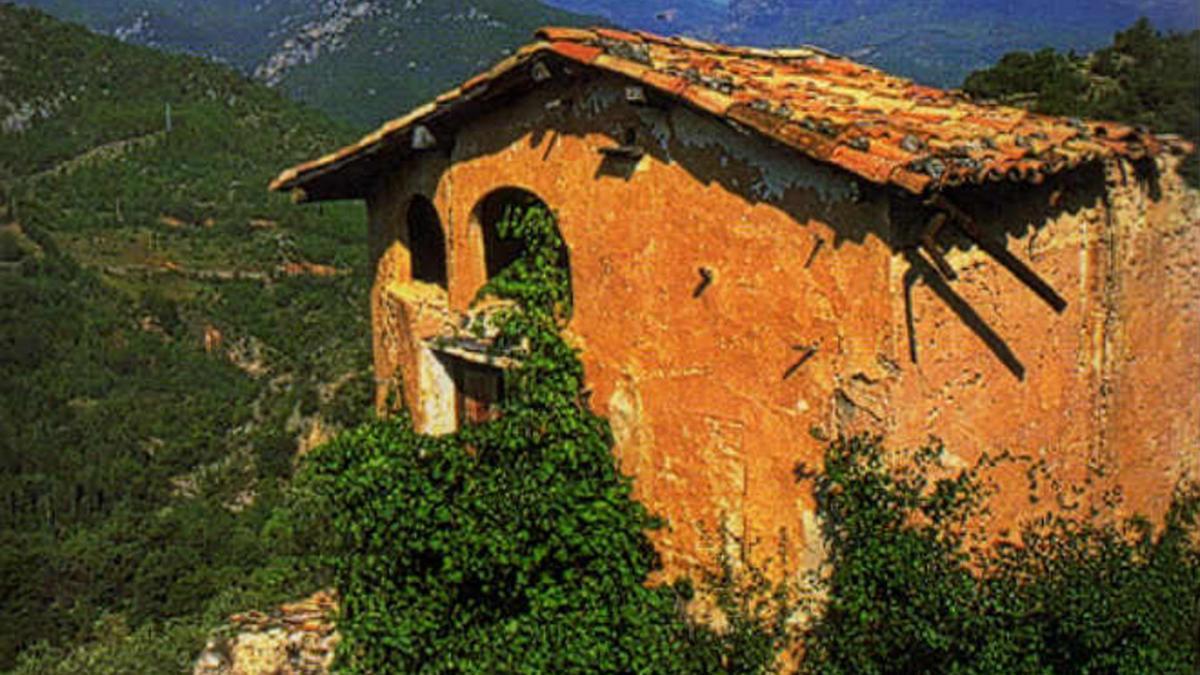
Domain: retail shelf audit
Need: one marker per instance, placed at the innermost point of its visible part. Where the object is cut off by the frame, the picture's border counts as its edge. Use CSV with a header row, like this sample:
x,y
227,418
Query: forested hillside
x,y
365,61
1144,77
362,61
171,335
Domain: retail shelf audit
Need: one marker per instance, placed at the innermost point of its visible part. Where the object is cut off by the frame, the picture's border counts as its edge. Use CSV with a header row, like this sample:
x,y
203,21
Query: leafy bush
x,y
10,247
911,588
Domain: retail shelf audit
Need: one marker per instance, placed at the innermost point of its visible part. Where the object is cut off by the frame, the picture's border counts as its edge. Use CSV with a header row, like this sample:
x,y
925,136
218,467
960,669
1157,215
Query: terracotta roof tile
x,y
708,99
613,34
480,79
631,69
556,33
885,129
576,52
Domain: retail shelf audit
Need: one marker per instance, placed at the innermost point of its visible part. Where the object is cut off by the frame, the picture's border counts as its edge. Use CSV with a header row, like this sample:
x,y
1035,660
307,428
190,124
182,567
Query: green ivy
x,y
913,588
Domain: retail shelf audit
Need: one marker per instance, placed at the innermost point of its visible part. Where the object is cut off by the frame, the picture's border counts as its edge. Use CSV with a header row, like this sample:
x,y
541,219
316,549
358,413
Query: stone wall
x,y
1107,385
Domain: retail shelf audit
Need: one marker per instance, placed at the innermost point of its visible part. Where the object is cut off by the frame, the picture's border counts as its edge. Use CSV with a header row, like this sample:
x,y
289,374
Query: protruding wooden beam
x,y
929,245
812,255
998,252
706,279
806,353
624,152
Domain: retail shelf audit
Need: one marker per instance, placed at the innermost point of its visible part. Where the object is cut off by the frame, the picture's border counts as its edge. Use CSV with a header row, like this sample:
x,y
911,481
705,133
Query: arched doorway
x,y
426,242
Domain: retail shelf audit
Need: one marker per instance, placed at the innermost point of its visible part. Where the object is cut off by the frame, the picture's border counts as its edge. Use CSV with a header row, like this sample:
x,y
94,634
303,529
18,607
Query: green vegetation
x,y
514,546
914,588
159,370
151,411
1143,78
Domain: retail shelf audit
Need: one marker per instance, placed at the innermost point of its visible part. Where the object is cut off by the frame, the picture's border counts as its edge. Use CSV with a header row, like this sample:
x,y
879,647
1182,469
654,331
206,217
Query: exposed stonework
x,y
296,639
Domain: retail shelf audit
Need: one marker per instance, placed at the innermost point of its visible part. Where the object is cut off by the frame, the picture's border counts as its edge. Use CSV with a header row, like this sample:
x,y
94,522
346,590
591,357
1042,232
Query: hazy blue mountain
x,y
368,60
695,17
937,41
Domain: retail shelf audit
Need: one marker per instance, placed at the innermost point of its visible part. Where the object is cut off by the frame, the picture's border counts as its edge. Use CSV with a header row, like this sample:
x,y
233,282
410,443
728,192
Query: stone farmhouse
x,y
769,247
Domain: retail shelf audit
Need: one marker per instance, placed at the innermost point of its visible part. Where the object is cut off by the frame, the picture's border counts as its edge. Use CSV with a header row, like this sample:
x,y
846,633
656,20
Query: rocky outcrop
x,y
295,639
326,34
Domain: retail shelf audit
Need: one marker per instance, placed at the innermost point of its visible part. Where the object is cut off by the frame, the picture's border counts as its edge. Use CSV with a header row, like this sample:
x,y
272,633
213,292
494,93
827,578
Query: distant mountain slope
x,y
408,53
171,335
363,61
700,18
935,41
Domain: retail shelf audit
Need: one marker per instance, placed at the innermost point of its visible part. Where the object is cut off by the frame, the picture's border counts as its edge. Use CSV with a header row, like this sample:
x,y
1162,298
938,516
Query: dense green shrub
x,y
912,589
10,247
514,546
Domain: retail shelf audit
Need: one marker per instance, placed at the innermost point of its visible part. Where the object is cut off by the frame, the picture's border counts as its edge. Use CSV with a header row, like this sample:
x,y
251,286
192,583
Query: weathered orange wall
x,y
707,417
1113,383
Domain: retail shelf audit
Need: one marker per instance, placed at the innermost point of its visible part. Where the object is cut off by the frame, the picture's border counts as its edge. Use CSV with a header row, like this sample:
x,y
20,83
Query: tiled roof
x,y
885,129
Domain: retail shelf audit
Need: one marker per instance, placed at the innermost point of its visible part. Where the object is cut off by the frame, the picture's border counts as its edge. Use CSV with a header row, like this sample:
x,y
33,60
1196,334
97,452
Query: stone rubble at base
x,y
294,639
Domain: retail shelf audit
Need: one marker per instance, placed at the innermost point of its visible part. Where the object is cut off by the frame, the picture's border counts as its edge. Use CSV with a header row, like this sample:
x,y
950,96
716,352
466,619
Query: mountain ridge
x,y
937,42
366,61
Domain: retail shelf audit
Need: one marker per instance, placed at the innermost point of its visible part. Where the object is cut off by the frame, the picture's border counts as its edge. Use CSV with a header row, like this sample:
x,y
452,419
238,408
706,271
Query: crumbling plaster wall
x,y
1110,385
712,393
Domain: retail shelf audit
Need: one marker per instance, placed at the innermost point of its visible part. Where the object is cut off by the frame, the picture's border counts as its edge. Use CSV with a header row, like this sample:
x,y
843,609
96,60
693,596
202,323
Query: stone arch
x,y
426,242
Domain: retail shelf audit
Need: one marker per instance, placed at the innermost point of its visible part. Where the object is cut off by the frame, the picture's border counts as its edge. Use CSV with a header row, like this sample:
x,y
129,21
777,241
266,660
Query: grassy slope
x,y
138,470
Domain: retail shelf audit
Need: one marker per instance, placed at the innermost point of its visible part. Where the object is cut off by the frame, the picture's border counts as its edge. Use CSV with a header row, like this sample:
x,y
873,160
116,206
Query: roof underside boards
x,y
884,129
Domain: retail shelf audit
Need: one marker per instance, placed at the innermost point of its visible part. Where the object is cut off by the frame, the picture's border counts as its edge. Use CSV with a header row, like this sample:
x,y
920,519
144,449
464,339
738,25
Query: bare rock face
x,y
295,639
326,34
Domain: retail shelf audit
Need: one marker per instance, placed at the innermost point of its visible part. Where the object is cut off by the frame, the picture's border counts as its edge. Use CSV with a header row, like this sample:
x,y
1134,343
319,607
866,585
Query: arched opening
x,y
426,242
500,251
